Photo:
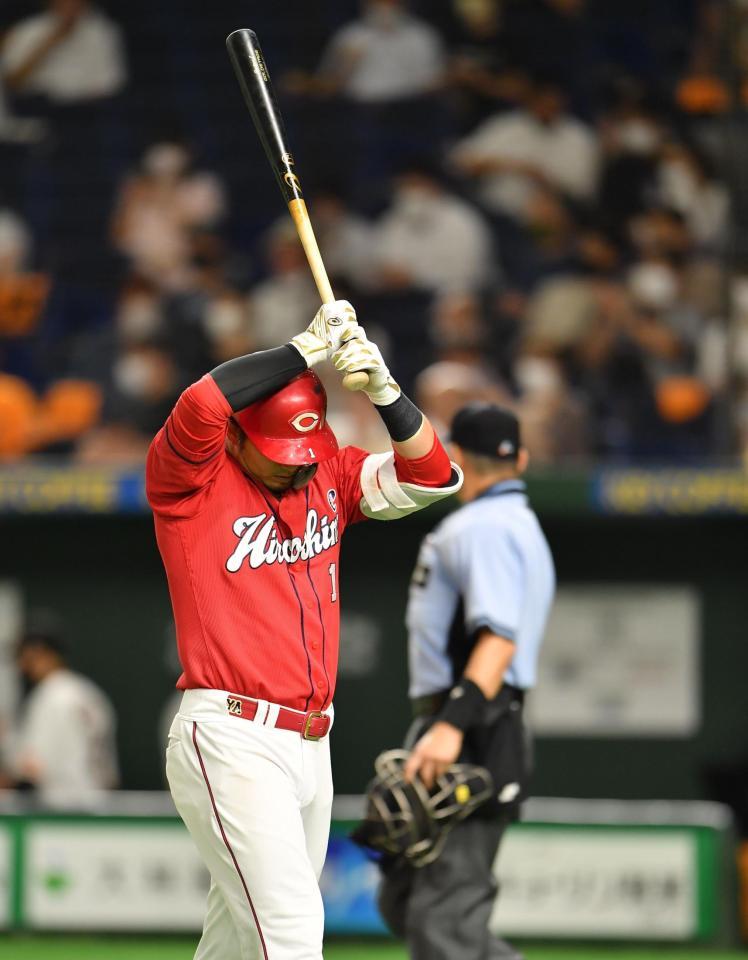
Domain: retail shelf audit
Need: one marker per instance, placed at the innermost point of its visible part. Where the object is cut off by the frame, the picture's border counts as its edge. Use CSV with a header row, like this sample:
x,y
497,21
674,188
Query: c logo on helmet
x,y
305,422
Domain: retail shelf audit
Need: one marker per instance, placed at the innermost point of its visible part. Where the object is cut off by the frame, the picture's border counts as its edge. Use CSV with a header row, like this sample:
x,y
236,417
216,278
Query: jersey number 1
x,y
331,571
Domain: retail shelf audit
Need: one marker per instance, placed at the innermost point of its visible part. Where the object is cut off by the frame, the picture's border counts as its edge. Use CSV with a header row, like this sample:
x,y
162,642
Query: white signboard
x,y
113,877
6,876
596,883
619,661
565,882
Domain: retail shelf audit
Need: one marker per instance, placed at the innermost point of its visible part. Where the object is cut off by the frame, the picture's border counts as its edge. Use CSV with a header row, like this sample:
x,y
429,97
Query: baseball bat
x,y
254,80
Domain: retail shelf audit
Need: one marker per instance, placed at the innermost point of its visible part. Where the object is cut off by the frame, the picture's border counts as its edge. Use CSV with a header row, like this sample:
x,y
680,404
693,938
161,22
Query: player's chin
x,y
278,484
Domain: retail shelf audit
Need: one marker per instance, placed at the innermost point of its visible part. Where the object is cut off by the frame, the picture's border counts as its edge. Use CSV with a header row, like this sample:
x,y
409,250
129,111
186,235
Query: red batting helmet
x,y
289,426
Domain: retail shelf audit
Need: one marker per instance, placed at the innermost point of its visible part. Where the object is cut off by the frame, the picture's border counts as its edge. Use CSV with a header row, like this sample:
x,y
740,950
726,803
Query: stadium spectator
x,y
444,387
459,330
664,327
159,209
687,184
227,328
279,303
430,239
65,749
71,52
553,417
67,65
384,56
24,295
510,155
345,239
388,69
632,135
578,210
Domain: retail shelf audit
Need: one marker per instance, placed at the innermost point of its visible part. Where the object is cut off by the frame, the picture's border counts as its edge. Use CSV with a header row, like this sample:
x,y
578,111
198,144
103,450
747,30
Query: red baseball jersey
x,y
253,578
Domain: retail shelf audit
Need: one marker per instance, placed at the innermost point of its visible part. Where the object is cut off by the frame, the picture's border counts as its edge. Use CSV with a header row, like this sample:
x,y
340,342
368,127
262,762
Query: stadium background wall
x,y
103,574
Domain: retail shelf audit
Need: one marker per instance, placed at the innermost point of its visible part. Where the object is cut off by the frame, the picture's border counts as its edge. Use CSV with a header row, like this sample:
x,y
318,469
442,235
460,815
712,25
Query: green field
x,y
68,948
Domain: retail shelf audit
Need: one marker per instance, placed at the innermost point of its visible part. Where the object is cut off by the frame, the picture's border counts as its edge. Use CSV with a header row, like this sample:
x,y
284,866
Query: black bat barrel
x,y
254,80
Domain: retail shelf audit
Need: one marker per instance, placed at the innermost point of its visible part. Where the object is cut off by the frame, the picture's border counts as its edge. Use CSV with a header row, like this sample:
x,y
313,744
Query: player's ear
x,y
523,459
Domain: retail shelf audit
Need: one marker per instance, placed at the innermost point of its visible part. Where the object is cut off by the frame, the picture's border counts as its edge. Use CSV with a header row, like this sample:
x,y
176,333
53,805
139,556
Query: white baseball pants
x,y
257,803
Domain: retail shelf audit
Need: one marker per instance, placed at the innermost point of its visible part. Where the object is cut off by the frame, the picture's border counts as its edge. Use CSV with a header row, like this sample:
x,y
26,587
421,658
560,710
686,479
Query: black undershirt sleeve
x,y
248,379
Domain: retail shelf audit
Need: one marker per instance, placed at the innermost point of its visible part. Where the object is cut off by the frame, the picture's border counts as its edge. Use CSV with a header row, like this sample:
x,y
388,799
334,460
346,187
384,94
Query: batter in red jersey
x,y
251,496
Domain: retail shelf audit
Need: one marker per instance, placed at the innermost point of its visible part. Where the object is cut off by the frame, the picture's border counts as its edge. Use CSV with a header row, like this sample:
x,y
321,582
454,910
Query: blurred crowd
x,y
529,201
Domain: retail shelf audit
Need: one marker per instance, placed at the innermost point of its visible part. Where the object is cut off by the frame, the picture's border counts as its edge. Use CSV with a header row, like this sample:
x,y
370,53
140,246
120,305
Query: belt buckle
x,y
305,733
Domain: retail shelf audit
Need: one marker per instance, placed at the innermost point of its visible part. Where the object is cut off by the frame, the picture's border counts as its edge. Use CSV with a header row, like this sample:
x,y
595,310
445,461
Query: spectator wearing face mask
x,y
631,134
430,239
159,207
134,362
663,325
511,154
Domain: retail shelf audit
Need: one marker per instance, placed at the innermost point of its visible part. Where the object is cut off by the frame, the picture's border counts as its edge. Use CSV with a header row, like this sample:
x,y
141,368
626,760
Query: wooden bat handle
x,y
300,214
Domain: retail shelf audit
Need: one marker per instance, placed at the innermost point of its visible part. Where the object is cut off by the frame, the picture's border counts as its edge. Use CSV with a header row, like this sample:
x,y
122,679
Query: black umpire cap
x,y
488,430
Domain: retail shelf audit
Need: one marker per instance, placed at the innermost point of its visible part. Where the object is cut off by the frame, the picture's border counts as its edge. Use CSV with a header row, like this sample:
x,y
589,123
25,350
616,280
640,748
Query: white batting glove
x,y
360,353
333,324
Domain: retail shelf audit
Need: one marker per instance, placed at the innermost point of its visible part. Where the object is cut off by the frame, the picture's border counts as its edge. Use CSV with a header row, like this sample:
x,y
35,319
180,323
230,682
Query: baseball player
x,y
478,605
251,496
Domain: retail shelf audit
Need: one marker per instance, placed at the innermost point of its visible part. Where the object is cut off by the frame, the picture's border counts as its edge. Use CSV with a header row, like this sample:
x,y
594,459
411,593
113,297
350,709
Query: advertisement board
x,y
148,876
619,660
602,883
120,876
601,880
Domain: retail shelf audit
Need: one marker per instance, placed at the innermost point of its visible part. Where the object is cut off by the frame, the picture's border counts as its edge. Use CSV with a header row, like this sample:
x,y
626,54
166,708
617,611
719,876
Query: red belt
x,y
312,725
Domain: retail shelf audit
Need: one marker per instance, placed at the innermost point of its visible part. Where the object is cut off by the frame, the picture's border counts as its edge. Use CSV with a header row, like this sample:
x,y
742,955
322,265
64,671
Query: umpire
x,y
479,600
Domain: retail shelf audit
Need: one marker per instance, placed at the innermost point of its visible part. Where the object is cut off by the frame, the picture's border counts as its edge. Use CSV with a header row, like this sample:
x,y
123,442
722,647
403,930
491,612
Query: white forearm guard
x,y
387,498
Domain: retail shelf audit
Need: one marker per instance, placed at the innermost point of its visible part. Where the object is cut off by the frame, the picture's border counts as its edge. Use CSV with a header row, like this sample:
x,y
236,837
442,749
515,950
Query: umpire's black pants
x,y
442,910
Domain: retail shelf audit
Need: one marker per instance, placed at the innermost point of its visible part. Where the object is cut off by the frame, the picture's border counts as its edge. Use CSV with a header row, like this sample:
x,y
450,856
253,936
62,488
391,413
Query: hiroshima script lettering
x,y
259,543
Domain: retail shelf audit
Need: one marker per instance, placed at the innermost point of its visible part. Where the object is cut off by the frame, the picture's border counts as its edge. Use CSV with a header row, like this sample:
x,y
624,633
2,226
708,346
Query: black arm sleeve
x,y
402,418
247,379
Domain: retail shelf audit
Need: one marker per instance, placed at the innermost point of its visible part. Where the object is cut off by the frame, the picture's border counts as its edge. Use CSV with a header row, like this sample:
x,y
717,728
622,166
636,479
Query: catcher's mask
x,y
407,820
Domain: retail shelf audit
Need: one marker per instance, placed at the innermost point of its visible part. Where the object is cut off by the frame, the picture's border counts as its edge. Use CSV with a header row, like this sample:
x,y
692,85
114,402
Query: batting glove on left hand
x,y
333,324
360,353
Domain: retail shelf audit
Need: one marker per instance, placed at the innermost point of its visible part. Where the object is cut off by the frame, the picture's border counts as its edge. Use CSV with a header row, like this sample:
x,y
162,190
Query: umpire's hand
x,y
434,752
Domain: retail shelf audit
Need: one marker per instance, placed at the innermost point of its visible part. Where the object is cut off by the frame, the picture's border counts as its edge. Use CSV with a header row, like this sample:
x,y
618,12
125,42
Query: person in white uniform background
x,y
65,748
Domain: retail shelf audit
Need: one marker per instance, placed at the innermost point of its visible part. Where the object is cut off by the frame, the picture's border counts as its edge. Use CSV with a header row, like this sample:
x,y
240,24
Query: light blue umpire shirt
x,y
489,565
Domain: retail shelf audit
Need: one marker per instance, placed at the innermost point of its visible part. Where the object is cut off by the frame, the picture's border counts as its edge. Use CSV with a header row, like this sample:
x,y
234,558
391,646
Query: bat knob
x,y
356,381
